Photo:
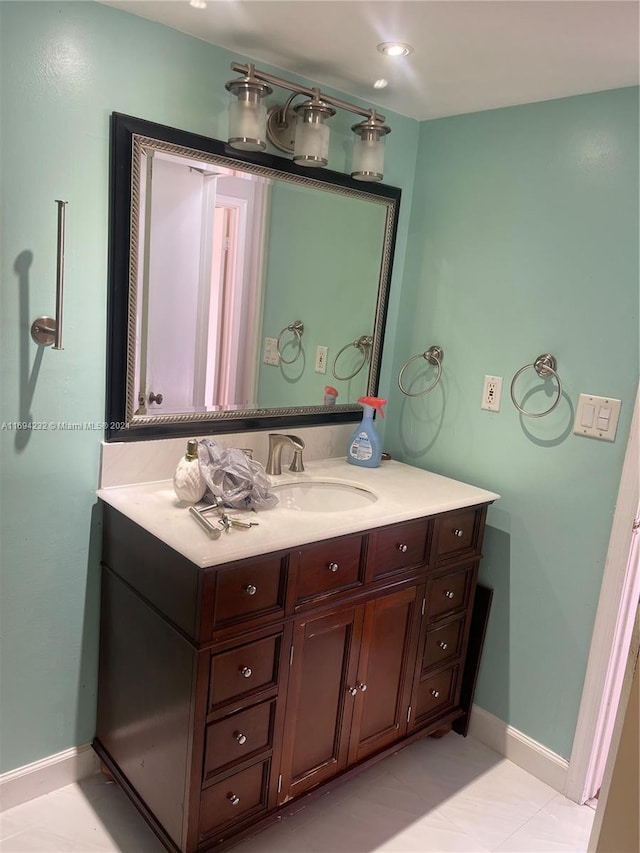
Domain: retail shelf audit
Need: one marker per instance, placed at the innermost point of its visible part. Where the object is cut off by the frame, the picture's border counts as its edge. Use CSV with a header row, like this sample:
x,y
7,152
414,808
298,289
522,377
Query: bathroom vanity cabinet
x,y
229,693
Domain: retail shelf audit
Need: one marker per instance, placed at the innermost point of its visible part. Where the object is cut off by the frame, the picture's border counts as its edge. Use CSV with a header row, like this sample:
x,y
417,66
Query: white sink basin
x,y
322,496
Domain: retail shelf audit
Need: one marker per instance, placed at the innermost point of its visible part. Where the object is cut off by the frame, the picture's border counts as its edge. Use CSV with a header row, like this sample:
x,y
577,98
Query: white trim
x,y
527,753
33,780
611,634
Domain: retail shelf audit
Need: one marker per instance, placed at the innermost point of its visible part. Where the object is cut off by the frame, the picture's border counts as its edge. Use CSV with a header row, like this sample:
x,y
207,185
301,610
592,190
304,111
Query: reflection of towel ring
x,y
363,344
297,328
544,365
433,355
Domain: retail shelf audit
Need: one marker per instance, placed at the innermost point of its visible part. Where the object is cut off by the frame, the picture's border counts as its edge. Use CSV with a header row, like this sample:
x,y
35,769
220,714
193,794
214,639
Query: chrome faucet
x,y
276,442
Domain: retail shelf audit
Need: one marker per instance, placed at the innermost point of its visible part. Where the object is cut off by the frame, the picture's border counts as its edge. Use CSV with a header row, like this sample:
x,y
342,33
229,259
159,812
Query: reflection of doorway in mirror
x,y
203,287
236,293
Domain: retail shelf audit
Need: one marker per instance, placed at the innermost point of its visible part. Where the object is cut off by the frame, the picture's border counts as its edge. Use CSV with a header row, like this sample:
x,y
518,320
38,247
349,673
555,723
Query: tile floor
x,y
436,796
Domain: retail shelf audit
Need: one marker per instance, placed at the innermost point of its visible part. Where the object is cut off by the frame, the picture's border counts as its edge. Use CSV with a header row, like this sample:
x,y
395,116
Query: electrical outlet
x,y
491,393
271,351
321,359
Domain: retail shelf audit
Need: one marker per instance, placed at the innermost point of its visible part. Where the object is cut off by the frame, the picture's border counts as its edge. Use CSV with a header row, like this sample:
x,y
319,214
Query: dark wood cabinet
x,y
228,692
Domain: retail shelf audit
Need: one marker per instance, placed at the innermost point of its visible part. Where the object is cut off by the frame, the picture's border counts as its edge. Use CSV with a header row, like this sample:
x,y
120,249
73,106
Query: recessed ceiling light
x,y
395,48
381,83
198,4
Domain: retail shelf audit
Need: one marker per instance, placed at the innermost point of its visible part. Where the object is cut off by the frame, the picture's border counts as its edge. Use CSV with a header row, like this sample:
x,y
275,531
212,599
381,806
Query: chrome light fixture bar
x,y
301,130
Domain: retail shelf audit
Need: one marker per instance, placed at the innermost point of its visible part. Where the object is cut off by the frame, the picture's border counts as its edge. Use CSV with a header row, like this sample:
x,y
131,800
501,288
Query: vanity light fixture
x,y
301,130
247,112
311,141
198,4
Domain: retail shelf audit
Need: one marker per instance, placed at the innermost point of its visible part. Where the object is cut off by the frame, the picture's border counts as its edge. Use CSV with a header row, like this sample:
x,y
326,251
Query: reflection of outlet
x,y
271,351
321,360
491,393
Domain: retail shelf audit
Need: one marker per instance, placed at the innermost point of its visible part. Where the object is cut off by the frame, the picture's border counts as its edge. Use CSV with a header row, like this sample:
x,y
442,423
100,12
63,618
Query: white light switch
x,y
597,417
588,414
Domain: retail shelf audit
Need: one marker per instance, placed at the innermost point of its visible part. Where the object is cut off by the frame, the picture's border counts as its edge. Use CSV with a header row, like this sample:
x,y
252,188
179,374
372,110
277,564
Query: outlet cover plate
x,y
491,393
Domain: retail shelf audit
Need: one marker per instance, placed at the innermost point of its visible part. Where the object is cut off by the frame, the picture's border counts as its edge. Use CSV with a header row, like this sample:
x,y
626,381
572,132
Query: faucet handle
x,y
298,446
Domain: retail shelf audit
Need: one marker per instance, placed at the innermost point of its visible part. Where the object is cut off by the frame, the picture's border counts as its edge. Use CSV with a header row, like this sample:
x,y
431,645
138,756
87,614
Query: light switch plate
x,y
597,417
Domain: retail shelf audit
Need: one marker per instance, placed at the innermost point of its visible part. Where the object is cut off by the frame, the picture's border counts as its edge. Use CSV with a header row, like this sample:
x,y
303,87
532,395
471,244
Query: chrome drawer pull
x,y
246,671
403,548
334,567
352,691
233,799
448,594
240,737
250,589
435,693
458,532
442,645
362,687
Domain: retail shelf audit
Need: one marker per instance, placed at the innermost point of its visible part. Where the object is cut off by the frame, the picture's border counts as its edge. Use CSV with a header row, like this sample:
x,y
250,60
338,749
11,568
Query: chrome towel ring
x,y
297,328
545,366
364,344
433,355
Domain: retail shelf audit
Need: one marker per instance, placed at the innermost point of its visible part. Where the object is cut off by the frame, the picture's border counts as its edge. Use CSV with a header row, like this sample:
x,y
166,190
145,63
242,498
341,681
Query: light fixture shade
x,y
248,113
312,134
368,150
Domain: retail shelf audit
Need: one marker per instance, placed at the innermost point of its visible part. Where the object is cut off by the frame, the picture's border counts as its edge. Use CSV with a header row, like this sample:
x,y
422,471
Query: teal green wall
x,y
524,240
64,68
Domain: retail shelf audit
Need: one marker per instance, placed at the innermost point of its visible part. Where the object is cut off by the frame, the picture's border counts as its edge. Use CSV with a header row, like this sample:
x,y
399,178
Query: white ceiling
x,y
468,55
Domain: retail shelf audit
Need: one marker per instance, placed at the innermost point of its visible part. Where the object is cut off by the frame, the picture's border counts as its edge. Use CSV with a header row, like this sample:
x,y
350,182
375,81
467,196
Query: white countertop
x,y
403,493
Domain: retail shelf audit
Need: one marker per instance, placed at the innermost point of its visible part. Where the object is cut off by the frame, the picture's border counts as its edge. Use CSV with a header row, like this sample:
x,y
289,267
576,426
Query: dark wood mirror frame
x,y
120,355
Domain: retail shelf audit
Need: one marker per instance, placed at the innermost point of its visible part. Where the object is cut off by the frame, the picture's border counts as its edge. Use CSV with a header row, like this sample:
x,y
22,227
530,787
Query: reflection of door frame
x,y
611,634
237,312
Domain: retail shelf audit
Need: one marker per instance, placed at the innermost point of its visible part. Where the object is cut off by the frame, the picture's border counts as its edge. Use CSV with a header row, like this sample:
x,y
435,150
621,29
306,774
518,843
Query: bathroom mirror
x,y
241,286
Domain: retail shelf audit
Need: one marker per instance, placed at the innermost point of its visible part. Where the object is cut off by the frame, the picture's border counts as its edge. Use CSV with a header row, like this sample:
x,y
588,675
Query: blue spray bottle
x,y
365,447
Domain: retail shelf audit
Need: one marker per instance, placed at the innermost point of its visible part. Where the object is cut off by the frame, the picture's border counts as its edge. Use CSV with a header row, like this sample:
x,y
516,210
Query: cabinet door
x,y
321,698
385,671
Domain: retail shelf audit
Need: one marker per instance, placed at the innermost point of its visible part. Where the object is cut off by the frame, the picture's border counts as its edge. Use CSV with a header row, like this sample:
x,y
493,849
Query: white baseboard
x,y
33,780
64,768
519,748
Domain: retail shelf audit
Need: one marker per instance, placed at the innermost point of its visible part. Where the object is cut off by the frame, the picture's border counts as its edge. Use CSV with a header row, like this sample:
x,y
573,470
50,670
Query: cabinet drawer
x,y
239,796
238,737
249,589
244,671
457,534
449,593
399,547
326,568
443,644
436,693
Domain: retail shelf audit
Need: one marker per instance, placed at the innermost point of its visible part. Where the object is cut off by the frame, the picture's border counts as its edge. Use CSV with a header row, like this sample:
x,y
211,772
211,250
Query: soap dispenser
x,y
188,482
365,446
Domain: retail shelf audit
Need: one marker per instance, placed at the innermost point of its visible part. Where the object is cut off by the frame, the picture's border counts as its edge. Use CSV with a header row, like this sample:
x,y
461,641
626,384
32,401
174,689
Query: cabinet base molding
x,y
527,753
42,777
289,808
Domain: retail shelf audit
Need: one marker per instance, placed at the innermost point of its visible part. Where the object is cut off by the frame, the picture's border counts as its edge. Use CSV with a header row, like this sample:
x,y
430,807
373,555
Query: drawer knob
x,y
435,693
458,532
240,737
233,799
250,589
362,687
246,671
352,691
334,567
448,594
403,548
443,645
